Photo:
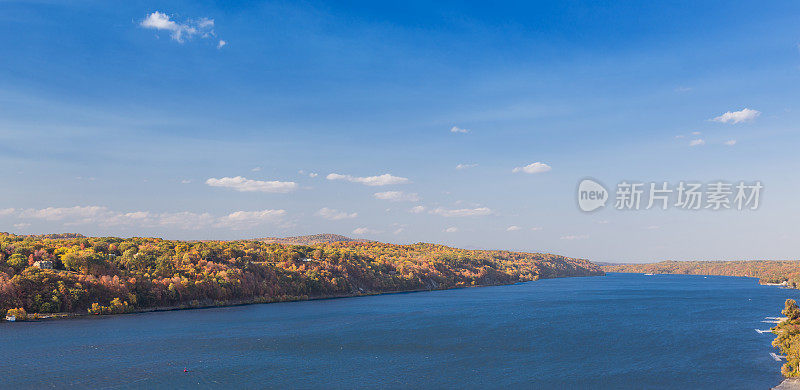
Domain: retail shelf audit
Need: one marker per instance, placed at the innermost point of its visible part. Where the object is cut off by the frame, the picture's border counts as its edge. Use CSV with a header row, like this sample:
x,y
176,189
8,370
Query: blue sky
x,y
134,119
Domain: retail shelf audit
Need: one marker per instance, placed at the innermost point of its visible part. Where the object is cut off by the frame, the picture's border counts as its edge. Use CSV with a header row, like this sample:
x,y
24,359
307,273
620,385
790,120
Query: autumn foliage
x,y
107,275
768,271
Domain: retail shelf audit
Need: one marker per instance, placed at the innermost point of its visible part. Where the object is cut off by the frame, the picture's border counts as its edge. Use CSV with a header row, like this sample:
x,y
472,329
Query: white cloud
x,y
221,44
380,180
695,133
362,231
744,115
536,228
248,219
21,225
312,174
397,196
456,129
575,237
451,229
180,32
8,211
697,142
462,212
242,184
513,228
102,216
183,220
466,166
730,142
537,167
185,181
334,215
78,214
679,136
417,209
256,169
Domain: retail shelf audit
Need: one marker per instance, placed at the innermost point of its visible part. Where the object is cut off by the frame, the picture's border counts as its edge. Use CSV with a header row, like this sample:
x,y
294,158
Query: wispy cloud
x,y
243,184
697,142
186,220
334,215
360,231
537,167
417,209
744,115
8,211
575,237
380,180
181,31
466,166
397,196
456,129
249,219
479,211
451,229
76,214
730,142
513,228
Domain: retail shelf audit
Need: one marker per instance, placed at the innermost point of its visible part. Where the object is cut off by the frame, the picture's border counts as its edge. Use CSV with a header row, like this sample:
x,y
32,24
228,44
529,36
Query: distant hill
x,y
310,239
56,236
768,271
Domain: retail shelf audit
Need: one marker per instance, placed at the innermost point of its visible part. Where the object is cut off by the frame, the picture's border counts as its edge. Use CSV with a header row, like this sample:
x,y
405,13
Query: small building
x,y
43,264
11,318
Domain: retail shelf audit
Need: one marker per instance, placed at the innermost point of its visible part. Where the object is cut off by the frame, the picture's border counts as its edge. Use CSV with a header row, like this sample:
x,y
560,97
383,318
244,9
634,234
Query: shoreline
x,y
256,301
788,384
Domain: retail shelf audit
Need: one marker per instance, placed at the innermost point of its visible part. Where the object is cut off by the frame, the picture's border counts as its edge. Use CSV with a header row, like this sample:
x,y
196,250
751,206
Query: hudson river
x,y
617,331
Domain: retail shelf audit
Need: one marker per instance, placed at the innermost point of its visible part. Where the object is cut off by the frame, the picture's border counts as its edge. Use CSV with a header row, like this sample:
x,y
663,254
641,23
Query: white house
x,y
44,264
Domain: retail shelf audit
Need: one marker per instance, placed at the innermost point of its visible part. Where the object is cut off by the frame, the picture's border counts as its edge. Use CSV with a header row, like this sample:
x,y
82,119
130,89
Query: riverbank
x,y
208,305
109,275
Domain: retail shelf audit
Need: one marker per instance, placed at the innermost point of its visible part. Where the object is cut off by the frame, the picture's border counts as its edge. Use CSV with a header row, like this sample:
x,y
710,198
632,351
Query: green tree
x,y
17,261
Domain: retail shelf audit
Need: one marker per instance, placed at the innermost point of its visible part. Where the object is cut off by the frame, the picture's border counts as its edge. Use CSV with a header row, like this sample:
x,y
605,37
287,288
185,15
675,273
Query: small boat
x,y
648,274
11,318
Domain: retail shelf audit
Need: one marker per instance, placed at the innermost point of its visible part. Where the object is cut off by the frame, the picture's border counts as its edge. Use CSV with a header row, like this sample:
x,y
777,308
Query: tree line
x,y
108,275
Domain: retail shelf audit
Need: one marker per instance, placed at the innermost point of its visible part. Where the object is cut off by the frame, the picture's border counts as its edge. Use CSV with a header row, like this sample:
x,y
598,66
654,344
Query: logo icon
x,y
591,195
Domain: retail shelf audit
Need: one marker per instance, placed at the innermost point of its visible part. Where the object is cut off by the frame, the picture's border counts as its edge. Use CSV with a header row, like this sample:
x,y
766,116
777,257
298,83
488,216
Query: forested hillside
x,y
766,270
104,275
309,239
